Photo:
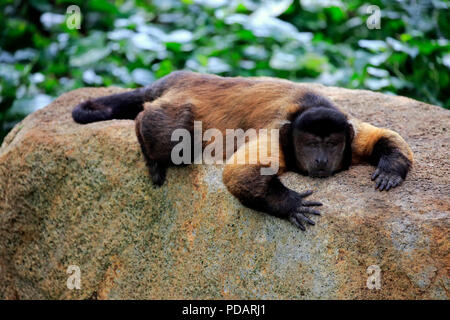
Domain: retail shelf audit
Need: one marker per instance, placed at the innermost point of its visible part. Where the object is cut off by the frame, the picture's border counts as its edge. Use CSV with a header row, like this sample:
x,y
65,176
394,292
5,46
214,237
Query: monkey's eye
x,y
312,144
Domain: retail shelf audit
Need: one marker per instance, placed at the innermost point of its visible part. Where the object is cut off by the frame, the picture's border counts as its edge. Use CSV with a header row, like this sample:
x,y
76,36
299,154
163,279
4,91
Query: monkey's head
x,y
322,141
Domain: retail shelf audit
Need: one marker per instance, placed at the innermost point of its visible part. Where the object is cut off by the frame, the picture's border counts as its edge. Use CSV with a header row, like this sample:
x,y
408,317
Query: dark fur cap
x,y
321,121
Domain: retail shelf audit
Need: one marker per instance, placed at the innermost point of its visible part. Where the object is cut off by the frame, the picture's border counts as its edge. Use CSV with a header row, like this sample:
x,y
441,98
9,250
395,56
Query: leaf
x,y
102,6
26,54
179,36
9,74
317,5
446,60
212,3
376,84
142,76
26,105
376,72
165,67
256,52
216,65
374,45
274,8
144,41
90,77
89,57
283,61
314,62
337,14
379,59
49,19
120,34
398,46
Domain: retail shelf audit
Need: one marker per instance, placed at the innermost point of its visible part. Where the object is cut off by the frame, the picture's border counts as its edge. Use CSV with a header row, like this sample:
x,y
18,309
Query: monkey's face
x,y
319,156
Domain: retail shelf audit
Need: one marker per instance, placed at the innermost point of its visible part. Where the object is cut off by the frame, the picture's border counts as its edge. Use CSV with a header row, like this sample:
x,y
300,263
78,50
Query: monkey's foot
x,y
157,172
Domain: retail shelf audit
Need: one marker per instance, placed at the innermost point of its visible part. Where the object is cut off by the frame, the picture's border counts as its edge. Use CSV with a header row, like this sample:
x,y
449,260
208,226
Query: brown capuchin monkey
x,y
315,137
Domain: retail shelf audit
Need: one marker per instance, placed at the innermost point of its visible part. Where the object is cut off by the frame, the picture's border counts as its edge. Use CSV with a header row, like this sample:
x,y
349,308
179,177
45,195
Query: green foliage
x,y
131,43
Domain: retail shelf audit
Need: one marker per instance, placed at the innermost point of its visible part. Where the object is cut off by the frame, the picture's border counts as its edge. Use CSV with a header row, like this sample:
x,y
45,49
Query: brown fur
x,y
231,103
178,99
367,135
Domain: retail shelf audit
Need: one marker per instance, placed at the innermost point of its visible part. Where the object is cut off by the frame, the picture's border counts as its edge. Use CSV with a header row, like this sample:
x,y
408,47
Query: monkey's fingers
x,y
384,183
376,174
305,194
389,185
294,221
397,181
393,182
304,210
301,217
379,181
312,203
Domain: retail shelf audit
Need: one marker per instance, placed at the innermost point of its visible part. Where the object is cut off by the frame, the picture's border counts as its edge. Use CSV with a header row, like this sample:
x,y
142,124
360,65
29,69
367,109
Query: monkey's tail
x,y
125,105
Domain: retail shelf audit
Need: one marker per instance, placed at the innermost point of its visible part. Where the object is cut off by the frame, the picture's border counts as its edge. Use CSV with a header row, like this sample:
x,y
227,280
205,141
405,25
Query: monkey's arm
x,y
262,190
384,149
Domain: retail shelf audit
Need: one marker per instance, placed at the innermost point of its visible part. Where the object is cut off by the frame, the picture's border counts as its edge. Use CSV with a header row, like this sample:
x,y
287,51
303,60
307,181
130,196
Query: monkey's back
x,y
229,103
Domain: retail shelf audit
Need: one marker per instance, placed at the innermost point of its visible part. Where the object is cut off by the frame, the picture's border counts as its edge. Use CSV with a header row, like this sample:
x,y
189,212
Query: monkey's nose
x,y
321,162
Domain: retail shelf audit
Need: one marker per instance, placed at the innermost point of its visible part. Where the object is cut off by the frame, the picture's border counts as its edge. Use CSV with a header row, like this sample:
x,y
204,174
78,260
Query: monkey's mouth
x,y
320,173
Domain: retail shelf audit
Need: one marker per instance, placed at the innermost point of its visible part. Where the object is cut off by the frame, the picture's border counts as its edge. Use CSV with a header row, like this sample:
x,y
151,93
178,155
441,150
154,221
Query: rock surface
x,y
80,195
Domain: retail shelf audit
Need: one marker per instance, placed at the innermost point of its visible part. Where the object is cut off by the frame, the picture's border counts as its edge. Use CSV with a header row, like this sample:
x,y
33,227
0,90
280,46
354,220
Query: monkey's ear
x,y
351,131
285,129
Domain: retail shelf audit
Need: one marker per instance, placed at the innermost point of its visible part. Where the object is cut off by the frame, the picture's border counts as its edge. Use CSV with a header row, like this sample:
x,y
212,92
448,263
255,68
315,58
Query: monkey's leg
x,y
157,170
384,149
154,127
125,105
263,192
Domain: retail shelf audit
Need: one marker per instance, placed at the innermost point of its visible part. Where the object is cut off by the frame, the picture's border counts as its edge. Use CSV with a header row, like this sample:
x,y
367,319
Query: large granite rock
x,y
80,195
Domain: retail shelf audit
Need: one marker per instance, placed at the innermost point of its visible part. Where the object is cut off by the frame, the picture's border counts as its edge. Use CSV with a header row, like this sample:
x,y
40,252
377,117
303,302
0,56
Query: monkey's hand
x,y
385,179
299,208
386,150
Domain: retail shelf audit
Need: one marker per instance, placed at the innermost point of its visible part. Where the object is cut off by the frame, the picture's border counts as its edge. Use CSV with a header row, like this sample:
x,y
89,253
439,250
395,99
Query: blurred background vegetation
x,y
131,43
